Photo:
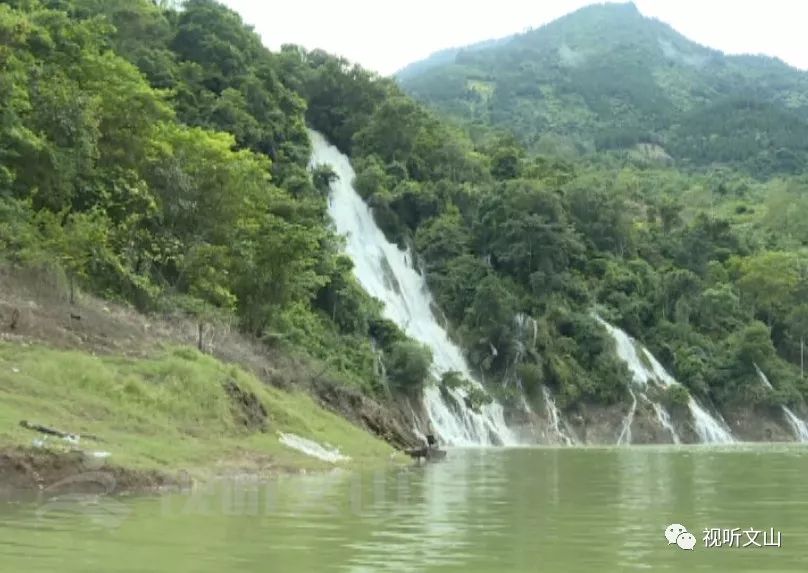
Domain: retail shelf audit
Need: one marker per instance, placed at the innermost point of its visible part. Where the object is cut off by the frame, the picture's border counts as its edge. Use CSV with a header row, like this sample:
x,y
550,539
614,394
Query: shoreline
x,y
26,470
173,418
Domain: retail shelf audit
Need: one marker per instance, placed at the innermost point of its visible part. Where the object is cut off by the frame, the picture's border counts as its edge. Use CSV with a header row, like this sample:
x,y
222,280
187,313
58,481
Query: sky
x,y
385,35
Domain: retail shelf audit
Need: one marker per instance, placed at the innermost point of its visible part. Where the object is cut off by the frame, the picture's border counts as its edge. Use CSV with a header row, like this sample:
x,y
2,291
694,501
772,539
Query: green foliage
x,y
408,365
676,396
195,196
323,176
476,398
607,79
770,281
531,376
499,232
452,380
161,156
167,412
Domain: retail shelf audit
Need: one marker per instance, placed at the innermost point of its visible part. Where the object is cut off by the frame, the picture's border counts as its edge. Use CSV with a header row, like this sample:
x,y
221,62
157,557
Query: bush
x,y
452,380
323,176
675,396
385,332
476,398
370,178
531,376
408,365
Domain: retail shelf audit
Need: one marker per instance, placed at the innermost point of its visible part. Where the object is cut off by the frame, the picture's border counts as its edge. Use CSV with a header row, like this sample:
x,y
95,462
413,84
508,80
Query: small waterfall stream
x,y
625,433
645,369
797,424
554,419
386,273
665,420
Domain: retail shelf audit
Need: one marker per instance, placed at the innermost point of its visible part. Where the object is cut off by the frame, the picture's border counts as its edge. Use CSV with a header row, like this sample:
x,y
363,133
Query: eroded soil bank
x,y
56,473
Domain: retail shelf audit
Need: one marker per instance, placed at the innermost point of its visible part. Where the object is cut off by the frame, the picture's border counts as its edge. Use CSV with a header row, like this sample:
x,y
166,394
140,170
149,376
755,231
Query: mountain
x,y
607,78
446,56
161,158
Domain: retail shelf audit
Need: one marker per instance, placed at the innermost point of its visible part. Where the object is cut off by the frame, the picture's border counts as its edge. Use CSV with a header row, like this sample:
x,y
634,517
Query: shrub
x,y
452,380
676,395
477,398
323,176
408,365
531,376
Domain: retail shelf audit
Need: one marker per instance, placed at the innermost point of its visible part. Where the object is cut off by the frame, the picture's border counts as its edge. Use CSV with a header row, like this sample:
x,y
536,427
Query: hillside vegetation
x,y
160,157
179,409
606,78
157,157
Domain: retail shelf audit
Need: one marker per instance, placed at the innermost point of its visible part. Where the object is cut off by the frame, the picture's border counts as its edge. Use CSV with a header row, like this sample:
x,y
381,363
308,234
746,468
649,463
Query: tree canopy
x,y
160,156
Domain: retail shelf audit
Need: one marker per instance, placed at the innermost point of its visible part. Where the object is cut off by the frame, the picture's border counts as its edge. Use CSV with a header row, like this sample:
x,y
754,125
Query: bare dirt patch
x,y
247,408
58,473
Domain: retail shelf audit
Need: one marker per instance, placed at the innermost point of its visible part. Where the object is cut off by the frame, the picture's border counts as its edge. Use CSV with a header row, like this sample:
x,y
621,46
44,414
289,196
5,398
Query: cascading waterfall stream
x,y
385,272
664,419
647,370
554,419
798,425
625,434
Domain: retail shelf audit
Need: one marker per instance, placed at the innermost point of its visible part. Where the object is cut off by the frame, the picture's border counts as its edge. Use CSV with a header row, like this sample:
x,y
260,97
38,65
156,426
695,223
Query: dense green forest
x,y
606,79
159,156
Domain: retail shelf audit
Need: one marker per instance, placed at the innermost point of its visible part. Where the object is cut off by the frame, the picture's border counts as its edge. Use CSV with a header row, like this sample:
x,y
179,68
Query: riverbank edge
x,y
25,470
34,316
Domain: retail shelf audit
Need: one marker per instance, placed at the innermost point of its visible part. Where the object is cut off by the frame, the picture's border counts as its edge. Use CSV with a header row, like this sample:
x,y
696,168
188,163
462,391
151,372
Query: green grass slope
x,y
168,412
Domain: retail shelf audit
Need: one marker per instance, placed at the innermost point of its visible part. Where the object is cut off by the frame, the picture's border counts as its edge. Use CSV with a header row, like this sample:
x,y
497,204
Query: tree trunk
x,y
802,358
200,328
72,283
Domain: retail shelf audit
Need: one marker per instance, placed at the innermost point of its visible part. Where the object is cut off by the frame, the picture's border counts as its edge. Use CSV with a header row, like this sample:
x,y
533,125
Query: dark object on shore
x,y
15,319
430,452
426,453
54,432
75,316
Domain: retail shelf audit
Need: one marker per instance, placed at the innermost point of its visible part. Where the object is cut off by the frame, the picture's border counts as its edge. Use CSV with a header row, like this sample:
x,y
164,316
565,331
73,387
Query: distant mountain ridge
x,y
607,78
445,56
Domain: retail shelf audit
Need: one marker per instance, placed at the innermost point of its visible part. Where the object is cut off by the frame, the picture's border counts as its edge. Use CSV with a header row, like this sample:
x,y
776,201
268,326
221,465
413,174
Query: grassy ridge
x,y
167,412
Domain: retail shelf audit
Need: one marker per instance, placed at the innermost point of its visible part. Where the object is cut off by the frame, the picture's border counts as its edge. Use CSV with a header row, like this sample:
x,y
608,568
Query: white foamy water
x,y
312,448
554,419
665,420
625,433
385,272
797,424
647,369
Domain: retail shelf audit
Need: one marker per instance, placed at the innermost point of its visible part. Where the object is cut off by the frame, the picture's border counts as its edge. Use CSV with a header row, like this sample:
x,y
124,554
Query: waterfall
x,y
385,272
664,419
554,419
625,433
526,325
645,369
798,425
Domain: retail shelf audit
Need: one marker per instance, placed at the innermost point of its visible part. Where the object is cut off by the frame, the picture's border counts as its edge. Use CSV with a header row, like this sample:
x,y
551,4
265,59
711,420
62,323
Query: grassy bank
x,y
176,410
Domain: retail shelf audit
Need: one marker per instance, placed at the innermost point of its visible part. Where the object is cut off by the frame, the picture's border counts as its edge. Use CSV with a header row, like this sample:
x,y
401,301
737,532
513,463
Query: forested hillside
x,y
607,79
160,156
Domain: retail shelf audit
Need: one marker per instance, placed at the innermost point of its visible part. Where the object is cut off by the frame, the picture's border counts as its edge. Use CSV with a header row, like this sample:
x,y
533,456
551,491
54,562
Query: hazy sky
x,y
385,35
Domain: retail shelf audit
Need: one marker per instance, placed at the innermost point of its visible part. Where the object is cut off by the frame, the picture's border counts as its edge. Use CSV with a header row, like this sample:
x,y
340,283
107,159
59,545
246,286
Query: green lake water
x,y
555,510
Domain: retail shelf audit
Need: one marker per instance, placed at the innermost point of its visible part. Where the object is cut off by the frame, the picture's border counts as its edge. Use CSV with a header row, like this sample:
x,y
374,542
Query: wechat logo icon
x,y
678,535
